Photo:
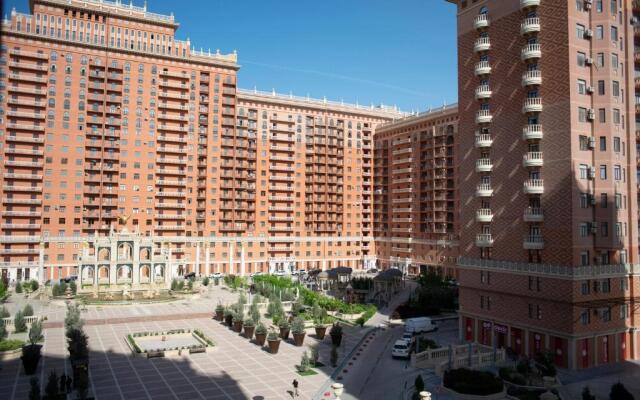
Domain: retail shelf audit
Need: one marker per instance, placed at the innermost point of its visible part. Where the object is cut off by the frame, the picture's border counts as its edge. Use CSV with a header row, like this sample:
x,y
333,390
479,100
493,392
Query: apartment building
x,y
109,123
414,192
547,182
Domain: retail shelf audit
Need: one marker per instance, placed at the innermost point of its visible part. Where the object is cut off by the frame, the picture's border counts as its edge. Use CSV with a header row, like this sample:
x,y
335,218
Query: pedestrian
x,y
63,383
69,384
295,388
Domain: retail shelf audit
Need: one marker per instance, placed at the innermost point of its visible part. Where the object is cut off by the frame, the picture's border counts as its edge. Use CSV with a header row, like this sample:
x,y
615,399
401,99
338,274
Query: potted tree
x,y
237,322
31,352
297,328
336,334
321,329
219,312
274,341
249,328
261,334
228,316
285,327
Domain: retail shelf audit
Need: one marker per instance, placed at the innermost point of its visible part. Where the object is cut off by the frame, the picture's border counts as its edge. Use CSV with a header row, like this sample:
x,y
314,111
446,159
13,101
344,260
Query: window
x,y
614,35
605,314
584,142
616,144
535,283
600,60
535,312
582,86
584,171
584,200
584,229
599,32
581,59
624,311
585,287
603,143
603,200
584,317
616,116
616,88
580,31
582,114
603,172
601,88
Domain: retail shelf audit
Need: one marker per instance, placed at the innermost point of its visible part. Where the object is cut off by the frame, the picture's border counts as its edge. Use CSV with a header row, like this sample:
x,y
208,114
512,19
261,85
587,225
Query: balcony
x,y
531,51
12,200
484,240
530,25
484,215
532,159
532,132
484,190
484,165
20,226
482,44
481,21
533,104
482,68
483,117
531,78
484,140
529,3
534,186
533,214
483,92
533,242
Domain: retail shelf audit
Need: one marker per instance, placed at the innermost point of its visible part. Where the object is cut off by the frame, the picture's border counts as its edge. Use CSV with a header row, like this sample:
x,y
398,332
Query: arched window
x,y
67,81
52,102
54,56
53,68
67,69
83,71
67,105
127,67
83,83
84,60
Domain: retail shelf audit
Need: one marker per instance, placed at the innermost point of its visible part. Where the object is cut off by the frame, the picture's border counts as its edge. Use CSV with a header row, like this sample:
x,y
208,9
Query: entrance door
x,y
584,353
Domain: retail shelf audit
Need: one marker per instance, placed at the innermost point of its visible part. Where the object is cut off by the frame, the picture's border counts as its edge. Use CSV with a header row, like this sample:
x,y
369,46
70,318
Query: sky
x,y
400,52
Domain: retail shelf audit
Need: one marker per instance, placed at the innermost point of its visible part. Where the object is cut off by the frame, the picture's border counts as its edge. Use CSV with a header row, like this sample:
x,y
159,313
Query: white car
x,y
401,349
407,336
256,273
216,275
279,273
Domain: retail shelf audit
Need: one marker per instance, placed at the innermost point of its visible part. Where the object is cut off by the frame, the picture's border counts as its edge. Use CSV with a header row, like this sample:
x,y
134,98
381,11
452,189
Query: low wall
x,y
460,396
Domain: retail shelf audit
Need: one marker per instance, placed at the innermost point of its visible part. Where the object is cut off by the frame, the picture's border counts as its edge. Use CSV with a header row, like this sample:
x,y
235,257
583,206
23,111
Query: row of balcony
x,y
530,186
531,214
530,242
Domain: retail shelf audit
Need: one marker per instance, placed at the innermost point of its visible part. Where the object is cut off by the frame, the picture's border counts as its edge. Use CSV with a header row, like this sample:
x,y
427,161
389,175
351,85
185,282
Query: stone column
x,y
242,266
41,264
324,264
113,261
571,353
197,267
207,265
461,328
526,343
168,270
230,258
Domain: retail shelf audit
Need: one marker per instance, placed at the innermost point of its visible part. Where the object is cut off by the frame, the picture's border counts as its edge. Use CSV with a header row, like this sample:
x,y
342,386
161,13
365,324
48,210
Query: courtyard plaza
x,y
235,369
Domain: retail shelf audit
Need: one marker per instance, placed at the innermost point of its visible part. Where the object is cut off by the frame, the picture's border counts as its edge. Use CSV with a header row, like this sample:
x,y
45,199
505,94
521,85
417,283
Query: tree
x,y
254,312
27,311
18,287
419,387
205,281
34,285
51,390
74,287
4,313
19,323
3,332
586,394
73,319
3,289
35,333
305,362
78,344
34,391
619,392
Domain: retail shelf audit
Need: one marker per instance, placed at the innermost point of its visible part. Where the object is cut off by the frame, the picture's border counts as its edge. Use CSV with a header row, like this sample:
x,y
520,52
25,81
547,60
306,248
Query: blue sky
x,y
399,52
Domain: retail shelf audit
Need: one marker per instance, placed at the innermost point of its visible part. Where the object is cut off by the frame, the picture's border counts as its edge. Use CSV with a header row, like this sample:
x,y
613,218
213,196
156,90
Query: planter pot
x,y
336,340
228,320
237,326
298,339
219,315
248,331
320,332
30,358
274,345
260,338
284,333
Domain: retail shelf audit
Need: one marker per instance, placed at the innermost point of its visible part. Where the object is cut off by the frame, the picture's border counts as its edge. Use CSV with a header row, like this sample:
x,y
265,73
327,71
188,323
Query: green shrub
x,y
4,313
3,332
619,392
297,326
466,381
34,285
190,284
11,344
174,285
19,323
205,281
27,311
3,289
305,363
315,353
249,322
18,288
77,344
360,321
261,329
73,320
74,287
545,363
35,333
273,335
586,394
254,312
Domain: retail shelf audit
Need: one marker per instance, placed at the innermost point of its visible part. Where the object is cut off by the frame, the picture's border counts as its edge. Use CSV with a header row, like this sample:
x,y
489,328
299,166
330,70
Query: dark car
x,y
69,279
190,275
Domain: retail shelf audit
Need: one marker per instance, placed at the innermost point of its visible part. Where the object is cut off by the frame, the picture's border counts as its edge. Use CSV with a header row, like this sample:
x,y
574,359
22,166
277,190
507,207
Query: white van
x,y
418,325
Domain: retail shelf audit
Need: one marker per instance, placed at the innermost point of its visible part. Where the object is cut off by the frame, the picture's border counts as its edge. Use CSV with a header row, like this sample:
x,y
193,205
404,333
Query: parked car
x,y
69,279
420,324
279,273
216,275
372,271
190,275
401,349
407,336
258,273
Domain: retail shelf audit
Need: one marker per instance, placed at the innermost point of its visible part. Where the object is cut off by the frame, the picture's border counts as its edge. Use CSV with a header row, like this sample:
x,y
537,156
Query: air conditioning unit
x,y
588,33
587,4
588,60
592,200
591,115
592,172
590,89
594,227
592,142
